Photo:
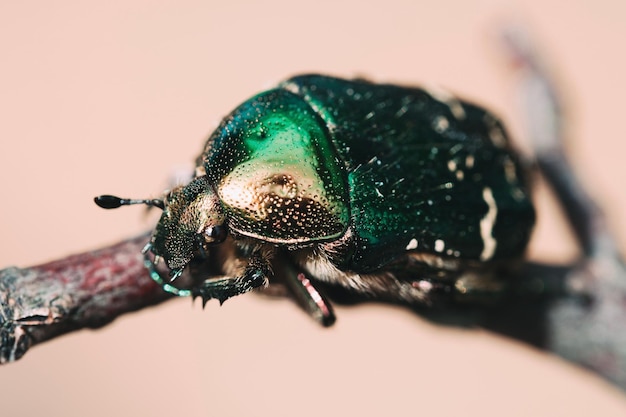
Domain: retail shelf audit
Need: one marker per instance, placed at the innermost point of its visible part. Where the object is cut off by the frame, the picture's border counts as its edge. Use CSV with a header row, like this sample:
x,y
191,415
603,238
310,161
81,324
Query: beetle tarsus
x,y
158,278
223,288
255,274
175,273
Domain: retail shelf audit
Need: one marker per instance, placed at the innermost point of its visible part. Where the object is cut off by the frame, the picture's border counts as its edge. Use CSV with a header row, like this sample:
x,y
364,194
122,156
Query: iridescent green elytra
x,y
390,192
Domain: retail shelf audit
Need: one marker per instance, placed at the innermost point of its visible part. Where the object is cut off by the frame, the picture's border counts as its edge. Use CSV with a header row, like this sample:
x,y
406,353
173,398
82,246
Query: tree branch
x,y
588,325
576,311
86,290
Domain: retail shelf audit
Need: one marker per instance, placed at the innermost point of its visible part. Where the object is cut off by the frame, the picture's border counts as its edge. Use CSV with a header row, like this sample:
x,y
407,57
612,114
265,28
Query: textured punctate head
x,y
191,221
275,170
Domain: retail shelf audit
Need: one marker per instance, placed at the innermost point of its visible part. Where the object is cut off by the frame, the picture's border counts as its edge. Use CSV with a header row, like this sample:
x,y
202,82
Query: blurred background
x,y
114,97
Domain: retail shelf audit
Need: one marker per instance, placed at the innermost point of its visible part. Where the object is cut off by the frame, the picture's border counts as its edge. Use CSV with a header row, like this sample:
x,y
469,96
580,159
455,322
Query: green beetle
x,y
390,192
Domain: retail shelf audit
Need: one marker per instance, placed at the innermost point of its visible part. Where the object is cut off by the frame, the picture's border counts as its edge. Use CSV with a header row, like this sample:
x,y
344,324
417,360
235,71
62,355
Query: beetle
x,y
390,192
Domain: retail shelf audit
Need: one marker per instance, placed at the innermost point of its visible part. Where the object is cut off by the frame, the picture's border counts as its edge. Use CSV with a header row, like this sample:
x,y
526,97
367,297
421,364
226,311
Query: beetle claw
x,y
175,273
198,293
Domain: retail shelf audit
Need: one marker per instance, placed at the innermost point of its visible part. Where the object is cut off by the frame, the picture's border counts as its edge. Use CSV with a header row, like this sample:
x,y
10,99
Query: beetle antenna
x,y
111,202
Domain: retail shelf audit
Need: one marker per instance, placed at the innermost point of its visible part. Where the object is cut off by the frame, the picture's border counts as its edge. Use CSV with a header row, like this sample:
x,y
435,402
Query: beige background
x,y
100,97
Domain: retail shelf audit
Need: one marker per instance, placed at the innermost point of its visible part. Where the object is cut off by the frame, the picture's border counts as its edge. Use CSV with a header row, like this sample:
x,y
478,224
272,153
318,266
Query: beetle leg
x,y
453,280
482,287
255,274
304,293
158,278
313,301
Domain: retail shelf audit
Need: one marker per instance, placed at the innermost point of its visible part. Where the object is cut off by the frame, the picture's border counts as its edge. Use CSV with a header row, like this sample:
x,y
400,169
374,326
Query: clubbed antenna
x,y
111,202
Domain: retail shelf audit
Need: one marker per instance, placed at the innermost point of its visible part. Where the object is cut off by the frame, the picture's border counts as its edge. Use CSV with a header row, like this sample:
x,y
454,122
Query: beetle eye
x,y
215,234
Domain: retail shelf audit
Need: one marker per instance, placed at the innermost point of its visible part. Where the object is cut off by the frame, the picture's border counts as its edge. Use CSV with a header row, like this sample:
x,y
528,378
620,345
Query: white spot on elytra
x,y
291,87
509,171
497,137
412,244
451,165
460,175
456,108
518,194
441,124
486,226
440,245
402,111
469,161
495,131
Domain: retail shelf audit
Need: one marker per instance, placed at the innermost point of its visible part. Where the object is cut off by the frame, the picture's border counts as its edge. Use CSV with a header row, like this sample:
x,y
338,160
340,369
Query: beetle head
x,y
192,220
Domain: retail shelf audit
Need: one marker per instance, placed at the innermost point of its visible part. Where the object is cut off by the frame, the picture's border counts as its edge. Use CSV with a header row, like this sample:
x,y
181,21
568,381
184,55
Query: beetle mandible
x,y
391,192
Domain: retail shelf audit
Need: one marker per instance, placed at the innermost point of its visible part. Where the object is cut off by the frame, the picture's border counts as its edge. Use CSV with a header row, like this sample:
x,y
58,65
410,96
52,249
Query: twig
x,y
588,327
86,290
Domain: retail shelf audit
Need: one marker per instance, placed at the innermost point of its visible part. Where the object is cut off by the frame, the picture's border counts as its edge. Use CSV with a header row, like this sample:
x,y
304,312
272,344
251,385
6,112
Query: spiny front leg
x,y
255,273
